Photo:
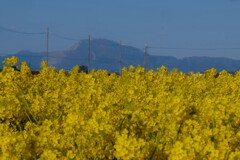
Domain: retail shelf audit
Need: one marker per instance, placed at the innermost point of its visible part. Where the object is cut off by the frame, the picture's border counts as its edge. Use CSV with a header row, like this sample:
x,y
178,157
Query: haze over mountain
x,y
110,55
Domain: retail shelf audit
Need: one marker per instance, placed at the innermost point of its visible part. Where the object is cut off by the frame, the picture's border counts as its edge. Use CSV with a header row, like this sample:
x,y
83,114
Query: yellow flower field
x,y
138,115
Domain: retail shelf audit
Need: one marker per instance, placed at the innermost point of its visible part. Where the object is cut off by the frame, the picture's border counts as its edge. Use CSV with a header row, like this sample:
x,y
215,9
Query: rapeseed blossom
x,y
137,115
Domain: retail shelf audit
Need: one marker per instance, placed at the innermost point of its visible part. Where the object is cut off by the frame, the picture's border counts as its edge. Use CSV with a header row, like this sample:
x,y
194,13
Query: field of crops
x,y
138,115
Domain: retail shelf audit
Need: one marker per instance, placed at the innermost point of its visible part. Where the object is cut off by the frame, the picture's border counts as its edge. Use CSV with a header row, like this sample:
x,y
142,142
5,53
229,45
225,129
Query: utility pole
x,y
120,59
47,39
89,52
145,57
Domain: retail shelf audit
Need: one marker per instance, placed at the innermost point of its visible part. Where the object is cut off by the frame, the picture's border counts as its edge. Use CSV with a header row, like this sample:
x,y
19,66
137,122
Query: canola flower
x,y
138,115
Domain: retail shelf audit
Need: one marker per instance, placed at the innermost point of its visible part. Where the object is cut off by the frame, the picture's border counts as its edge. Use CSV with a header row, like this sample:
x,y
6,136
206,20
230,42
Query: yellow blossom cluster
x,y
149,115
10,61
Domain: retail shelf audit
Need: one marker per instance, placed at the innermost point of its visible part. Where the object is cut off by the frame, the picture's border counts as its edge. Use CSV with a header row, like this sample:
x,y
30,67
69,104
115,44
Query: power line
x,y
170,48
39,33
26,56
38,56
63,37
72,58
20,32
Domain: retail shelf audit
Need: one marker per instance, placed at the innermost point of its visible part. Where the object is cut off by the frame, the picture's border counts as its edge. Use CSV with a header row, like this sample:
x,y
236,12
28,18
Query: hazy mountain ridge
x,y
106,54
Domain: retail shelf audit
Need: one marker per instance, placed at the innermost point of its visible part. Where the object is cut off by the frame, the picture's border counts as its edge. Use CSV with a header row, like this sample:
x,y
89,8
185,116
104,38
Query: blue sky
x,y
161,23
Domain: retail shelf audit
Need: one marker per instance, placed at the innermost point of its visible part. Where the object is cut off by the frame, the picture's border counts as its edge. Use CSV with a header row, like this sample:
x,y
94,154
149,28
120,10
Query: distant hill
x,y
105,54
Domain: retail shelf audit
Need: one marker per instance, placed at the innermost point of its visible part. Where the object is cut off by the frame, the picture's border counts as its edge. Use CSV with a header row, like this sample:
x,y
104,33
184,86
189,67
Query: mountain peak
x,y
75,46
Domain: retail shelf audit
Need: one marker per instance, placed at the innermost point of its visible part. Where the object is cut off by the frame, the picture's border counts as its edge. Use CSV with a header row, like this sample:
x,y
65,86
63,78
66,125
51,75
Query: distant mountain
x,y
106,54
